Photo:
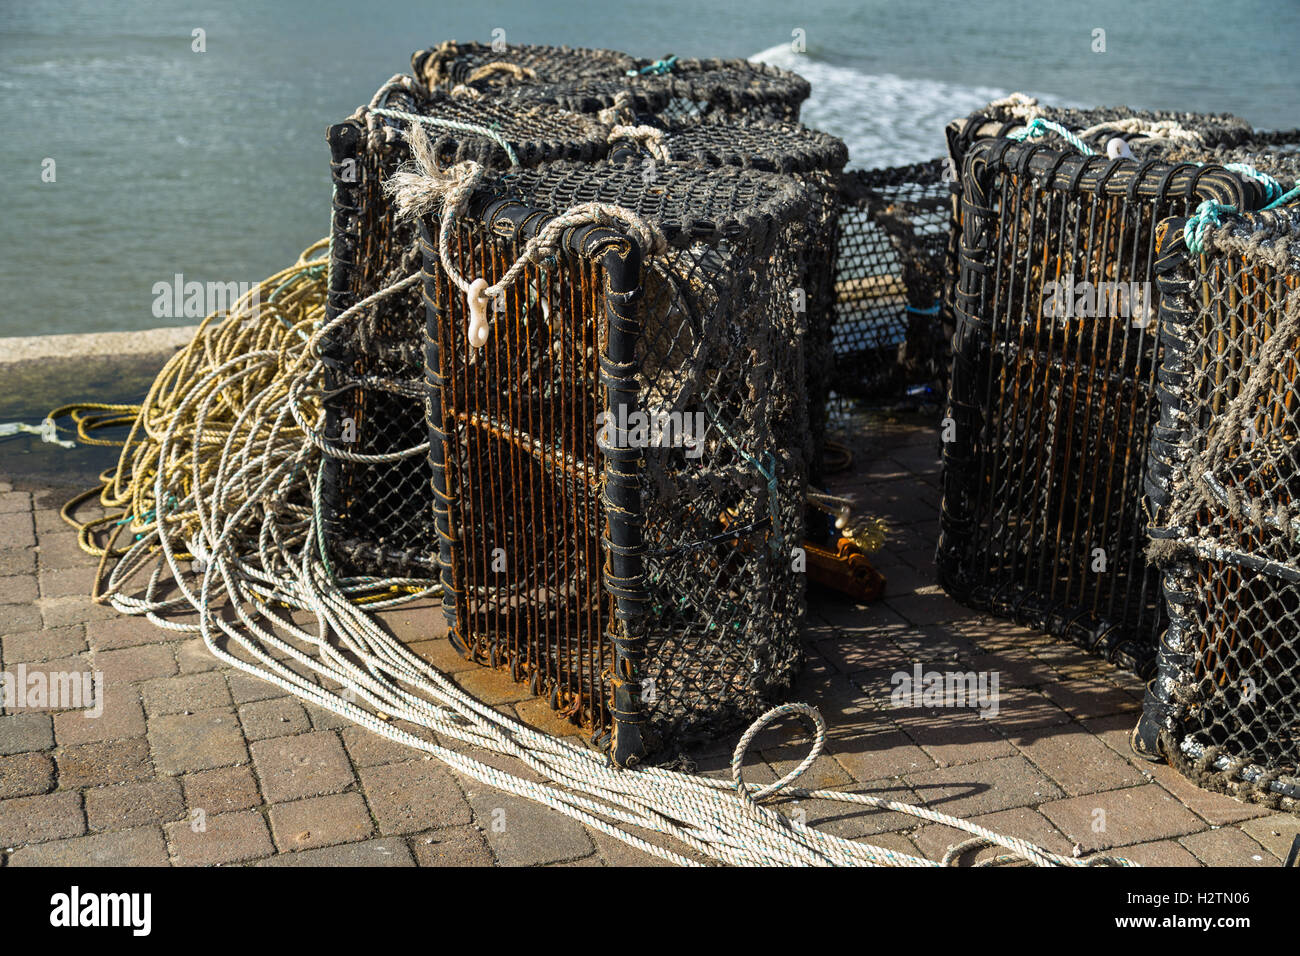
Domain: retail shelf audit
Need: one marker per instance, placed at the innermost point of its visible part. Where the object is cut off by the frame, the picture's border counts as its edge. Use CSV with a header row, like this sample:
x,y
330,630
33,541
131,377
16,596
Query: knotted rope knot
x,y
620,112
1152,129
421,188
461,91
657,68
649,137
1019,105
1198,224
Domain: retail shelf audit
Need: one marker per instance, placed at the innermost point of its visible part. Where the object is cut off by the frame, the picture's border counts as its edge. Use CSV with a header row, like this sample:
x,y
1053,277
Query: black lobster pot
x,y
617,478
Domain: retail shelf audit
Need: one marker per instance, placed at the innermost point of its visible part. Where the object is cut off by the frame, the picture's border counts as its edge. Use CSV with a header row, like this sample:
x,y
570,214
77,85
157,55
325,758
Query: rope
x,y
1152,129
620,112
415,118
657,68
45,430
1040,127
1019,105
1199,223
422,188
649,137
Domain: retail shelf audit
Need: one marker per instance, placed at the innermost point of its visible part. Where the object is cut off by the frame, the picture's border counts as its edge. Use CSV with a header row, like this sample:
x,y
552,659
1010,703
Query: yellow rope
x,y
278,316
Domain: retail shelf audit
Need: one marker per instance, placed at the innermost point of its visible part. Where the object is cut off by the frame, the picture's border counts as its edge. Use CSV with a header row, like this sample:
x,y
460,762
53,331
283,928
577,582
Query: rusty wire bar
x,y
644,587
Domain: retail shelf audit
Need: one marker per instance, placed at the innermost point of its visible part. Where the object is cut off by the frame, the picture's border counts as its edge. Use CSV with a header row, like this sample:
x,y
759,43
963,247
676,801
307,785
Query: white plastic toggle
x,y
1117,147
842,519
478,310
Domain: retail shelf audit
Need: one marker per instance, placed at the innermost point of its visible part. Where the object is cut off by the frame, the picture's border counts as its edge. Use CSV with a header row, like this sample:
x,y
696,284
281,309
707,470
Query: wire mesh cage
x,y
379,509
1223,484
1052,397
890,269
617,474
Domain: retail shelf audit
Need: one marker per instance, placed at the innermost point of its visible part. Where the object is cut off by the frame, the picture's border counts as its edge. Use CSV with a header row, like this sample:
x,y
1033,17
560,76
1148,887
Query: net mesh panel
x,y
646,592
1051,406
814,158
691,90
1224,488
453,64
890,269
1215,130
379,513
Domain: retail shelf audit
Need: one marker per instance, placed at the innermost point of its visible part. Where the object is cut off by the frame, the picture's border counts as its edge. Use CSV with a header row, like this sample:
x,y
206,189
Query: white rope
x,y
260,557
1152,129
649,137
421,187
46,431
1020,106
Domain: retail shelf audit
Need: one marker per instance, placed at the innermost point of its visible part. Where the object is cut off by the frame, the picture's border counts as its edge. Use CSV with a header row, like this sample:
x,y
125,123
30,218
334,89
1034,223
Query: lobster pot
x,y
1052,397
1224,486
618,487
378,510
890,265
814,158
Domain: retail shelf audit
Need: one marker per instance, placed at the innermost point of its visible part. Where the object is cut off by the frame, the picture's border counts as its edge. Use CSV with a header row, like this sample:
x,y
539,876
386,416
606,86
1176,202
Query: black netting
x,y
890,269
685,91
1224,485
487,66
645,587
1052,398
379,519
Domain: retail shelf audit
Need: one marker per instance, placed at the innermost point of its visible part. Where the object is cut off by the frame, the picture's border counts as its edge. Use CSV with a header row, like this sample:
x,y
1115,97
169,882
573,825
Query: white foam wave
x,y
886,120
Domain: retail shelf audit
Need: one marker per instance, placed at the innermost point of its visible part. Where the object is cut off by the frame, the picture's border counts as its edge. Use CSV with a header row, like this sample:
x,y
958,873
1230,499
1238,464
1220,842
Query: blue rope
x,y
1272,187
932,310
1285,198
1207,215
1040,127
658,67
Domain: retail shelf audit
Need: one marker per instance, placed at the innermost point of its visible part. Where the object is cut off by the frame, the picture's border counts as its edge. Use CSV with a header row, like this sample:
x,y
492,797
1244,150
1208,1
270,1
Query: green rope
x,y
1285,198
1207,215
1040,127
657,68
452,124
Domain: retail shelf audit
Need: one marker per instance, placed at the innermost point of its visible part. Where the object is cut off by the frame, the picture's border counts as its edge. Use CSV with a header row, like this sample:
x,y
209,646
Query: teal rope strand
x,y
1285,198
1040,127
452,124
657,68
1207,215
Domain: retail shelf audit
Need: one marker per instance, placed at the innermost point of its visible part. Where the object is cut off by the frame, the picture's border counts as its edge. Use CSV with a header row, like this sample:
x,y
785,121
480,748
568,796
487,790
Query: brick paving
x,y
195,763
